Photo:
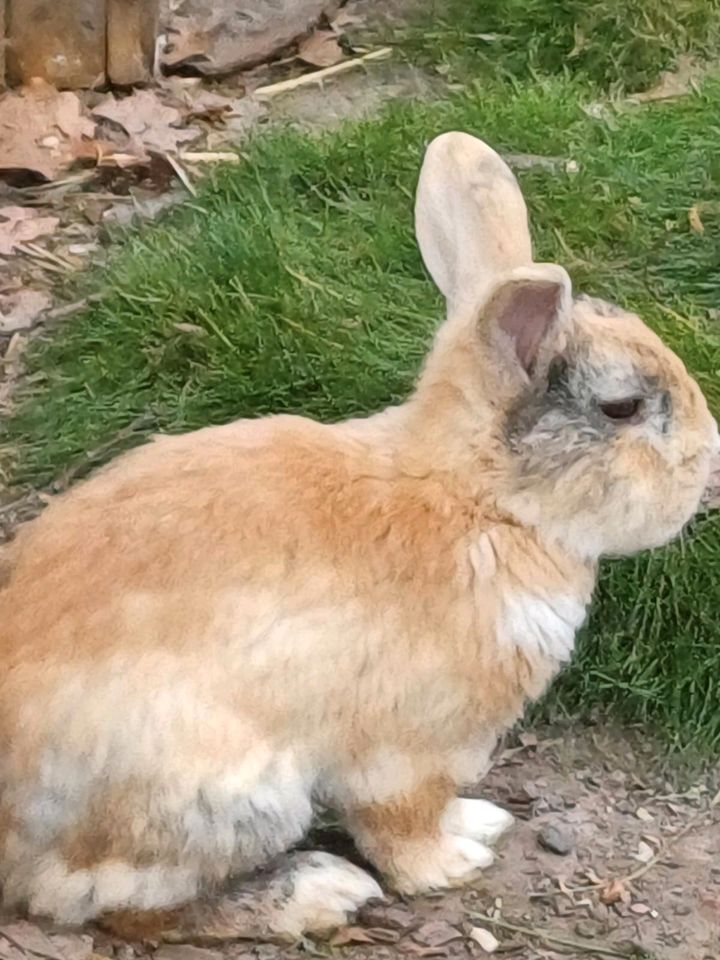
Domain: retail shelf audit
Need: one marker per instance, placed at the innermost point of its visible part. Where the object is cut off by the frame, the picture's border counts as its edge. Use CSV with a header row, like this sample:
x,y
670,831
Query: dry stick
x,y
551,939
317,76
181,174
59,313
222,156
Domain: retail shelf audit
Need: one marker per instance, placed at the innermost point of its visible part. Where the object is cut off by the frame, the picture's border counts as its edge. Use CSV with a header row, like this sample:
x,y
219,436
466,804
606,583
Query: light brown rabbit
x,y
223,629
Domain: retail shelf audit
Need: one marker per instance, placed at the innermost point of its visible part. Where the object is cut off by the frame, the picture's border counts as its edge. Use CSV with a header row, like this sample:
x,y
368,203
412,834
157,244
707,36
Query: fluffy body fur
x,y
223,629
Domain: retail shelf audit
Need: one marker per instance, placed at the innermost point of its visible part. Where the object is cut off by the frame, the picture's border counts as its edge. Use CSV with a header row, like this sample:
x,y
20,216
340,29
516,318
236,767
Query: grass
x,y
620,45
293,283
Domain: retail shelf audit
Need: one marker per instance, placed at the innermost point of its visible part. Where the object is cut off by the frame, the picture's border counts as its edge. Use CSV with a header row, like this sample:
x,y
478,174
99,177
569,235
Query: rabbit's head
x,y
590,427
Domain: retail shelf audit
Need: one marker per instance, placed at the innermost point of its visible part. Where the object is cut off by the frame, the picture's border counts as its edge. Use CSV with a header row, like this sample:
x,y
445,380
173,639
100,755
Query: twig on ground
x,y
204,156
59,313
317,76
181,174
589,946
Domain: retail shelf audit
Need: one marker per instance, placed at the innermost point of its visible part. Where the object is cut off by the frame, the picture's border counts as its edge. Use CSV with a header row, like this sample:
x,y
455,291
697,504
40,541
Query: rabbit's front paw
x,y
448,861
476,819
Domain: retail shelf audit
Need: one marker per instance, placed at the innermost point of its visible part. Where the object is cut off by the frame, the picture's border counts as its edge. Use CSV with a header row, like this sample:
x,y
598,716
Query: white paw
x,y
448,862
476,819
326,890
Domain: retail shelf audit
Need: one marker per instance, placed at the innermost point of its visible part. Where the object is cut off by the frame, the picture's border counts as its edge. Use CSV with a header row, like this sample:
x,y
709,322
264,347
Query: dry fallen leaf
x,y
645,852
487,940
147,120
436,933
696,224
612,892
320,49
40,130
20,224
26,936
211,107
345,19
639,908
350,935
673,83
19,309
197,331
74,946
642,814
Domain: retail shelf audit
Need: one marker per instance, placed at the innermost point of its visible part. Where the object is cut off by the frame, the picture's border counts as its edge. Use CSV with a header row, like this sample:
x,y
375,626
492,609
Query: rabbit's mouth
x,y
711,497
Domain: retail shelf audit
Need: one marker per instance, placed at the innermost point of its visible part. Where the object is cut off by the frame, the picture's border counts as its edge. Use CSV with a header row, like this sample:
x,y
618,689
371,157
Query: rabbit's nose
x,y
711,497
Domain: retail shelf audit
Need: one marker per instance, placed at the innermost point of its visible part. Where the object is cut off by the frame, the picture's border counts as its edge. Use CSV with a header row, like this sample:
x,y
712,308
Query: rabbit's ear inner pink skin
x,y
525,315
528,309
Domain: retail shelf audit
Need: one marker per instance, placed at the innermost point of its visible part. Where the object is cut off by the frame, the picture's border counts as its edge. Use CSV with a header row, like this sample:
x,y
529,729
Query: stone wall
x,y
76,44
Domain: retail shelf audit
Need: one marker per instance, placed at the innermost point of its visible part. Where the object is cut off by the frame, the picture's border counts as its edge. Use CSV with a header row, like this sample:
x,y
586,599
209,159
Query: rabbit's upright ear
x,y
470,218
525,311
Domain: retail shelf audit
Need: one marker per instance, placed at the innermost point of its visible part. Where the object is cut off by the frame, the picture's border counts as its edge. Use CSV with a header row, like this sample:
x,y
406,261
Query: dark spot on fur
x,y
5,572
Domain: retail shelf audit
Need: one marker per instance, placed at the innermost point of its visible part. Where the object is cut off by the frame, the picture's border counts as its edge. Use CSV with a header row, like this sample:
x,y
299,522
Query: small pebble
x,y
589,929
556,839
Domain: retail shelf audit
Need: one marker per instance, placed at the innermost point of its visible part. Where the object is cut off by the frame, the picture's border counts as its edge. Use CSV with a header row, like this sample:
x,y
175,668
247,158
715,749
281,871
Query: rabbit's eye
x,y
621,409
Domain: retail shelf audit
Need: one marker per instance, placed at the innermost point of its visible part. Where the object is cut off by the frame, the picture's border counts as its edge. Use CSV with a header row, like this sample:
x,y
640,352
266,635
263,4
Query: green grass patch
x,y
293,283
620,45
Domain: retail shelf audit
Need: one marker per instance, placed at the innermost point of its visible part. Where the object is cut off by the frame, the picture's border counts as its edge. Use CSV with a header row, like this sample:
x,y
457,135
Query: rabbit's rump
x,y
174,794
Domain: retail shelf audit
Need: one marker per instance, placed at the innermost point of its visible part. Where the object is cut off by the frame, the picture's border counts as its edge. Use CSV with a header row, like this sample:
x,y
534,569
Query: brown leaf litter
x,y
20,224
21,940
320,49
149,123
21,308
673,83
40,131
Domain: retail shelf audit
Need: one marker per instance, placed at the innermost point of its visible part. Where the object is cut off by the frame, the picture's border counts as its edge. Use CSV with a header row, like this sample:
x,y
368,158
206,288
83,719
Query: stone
x,y
131,31
590,929
557,839
223,36
63,42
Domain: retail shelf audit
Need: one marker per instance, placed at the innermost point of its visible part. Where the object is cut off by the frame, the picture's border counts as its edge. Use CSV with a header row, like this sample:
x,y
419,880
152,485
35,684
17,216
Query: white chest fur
x,y
541,625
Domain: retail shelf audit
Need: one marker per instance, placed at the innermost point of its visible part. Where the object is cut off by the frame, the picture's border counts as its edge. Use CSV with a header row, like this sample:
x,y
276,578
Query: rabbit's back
x,y
221,627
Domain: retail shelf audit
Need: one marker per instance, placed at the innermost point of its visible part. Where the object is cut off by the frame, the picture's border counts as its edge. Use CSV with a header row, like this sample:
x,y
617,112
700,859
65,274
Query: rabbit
x,y
221,632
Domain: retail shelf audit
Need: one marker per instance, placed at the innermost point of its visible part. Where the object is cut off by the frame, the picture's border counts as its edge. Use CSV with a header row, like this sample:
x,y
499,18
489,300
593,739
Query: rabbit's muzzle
x,y
711,497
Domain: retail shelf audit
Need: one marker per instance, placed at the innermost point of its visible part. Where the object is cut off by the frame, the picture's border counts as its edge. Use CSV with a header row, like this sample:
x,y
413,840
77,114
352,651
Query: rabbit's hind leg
x,y
304,892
